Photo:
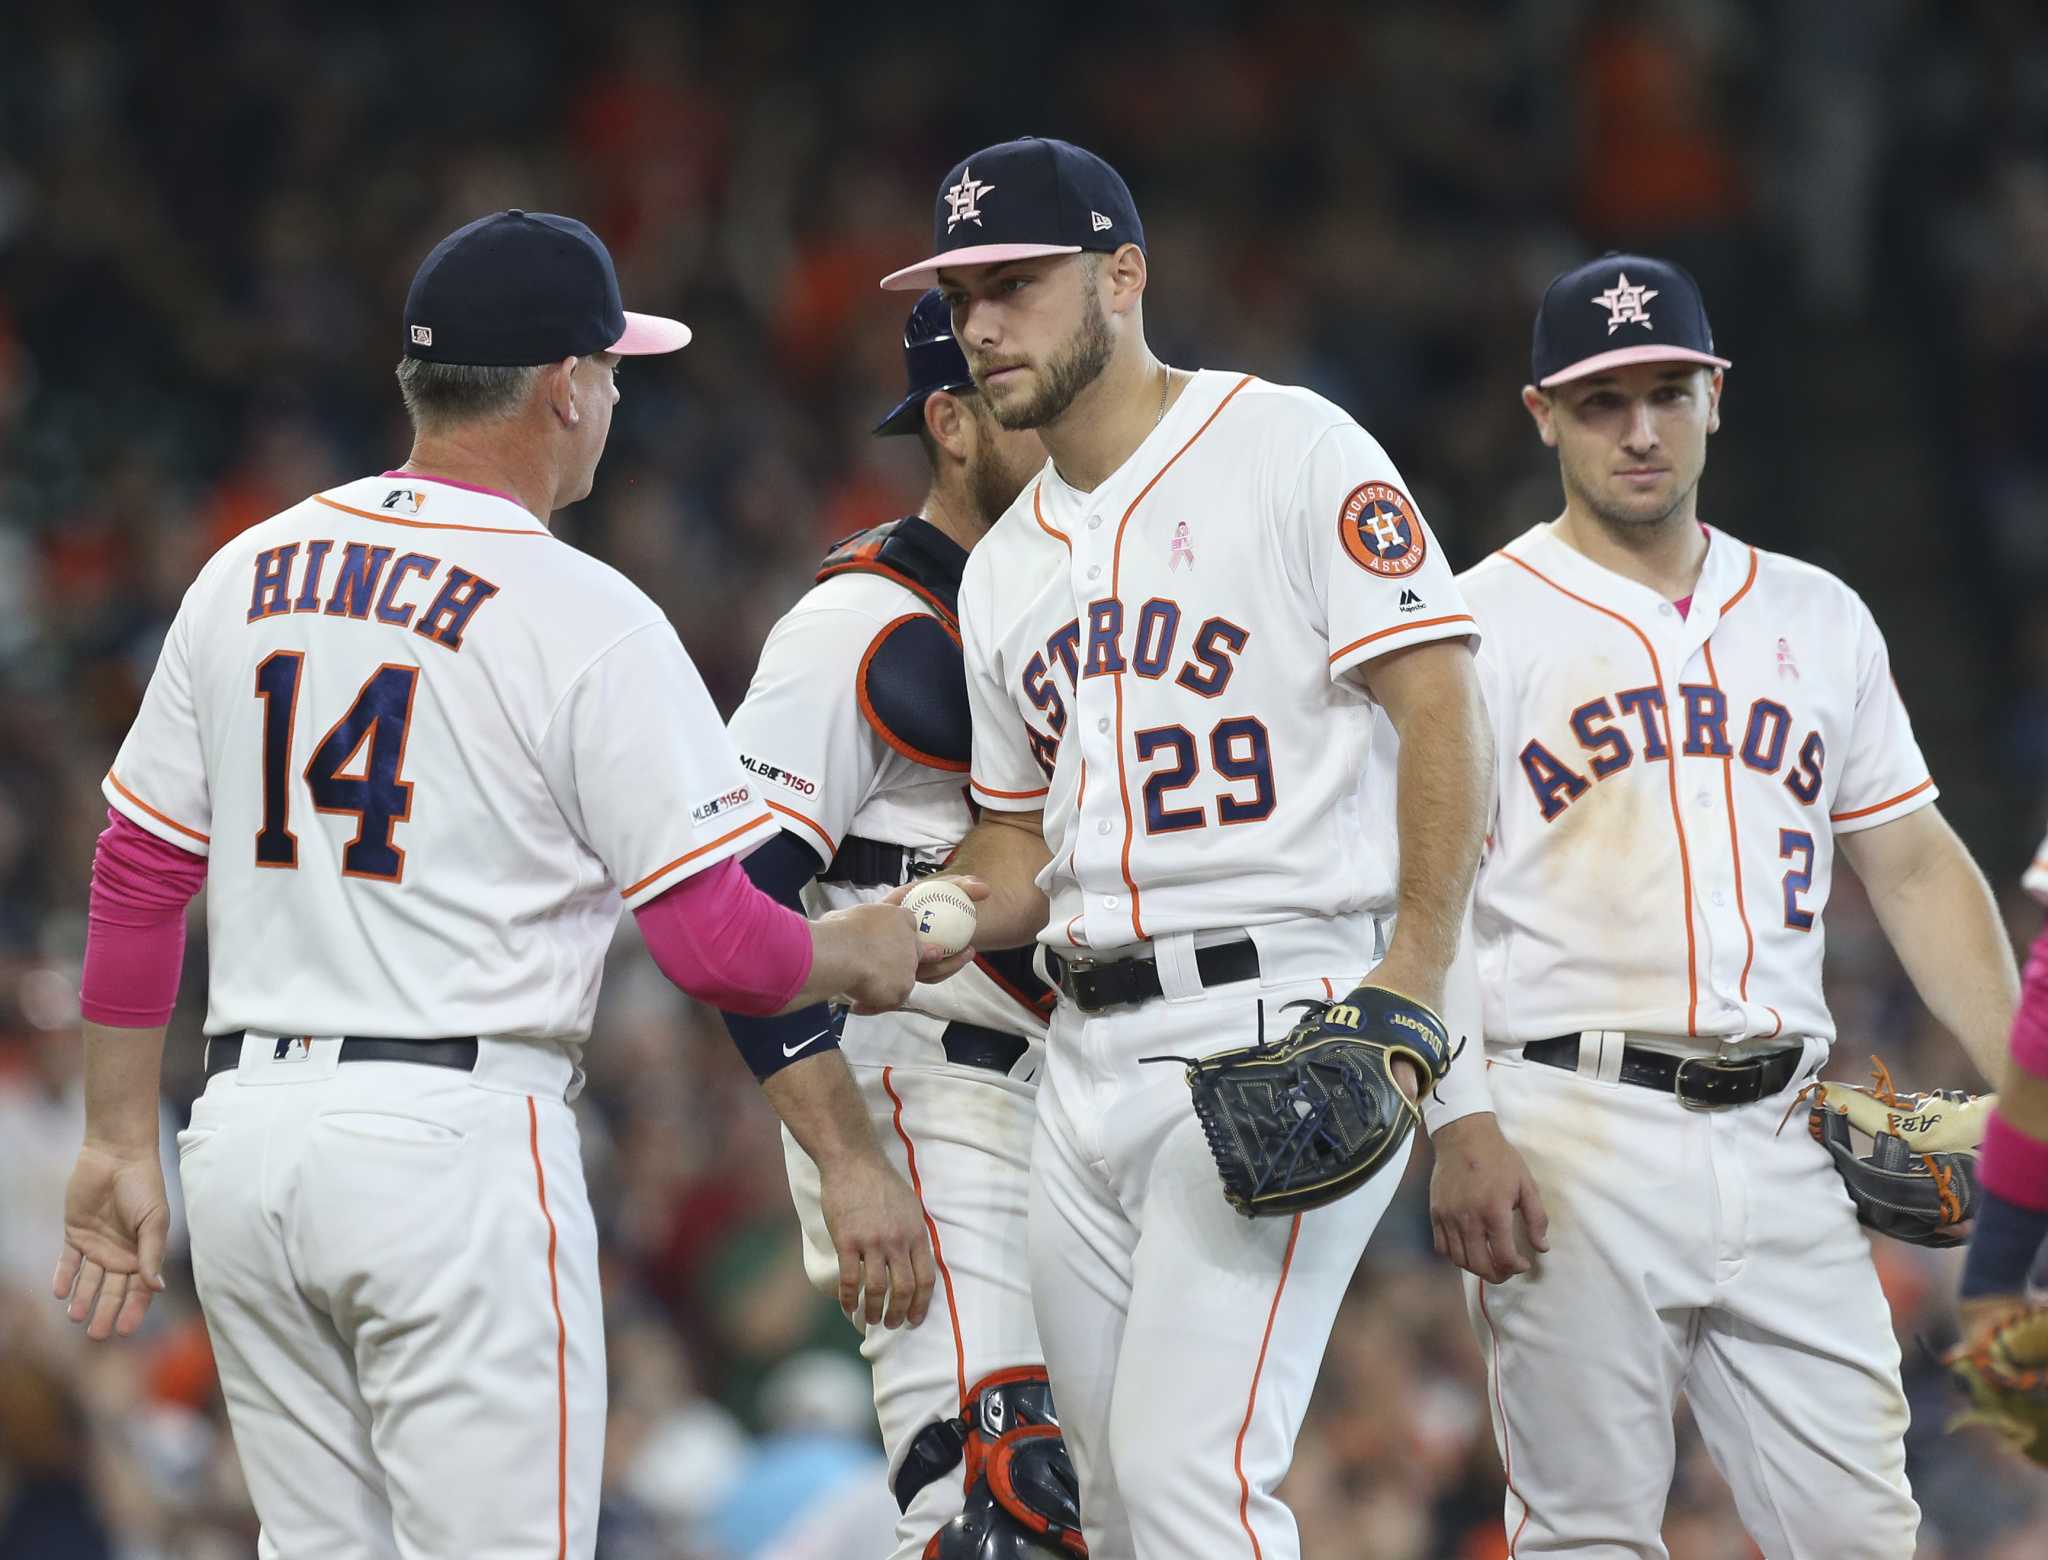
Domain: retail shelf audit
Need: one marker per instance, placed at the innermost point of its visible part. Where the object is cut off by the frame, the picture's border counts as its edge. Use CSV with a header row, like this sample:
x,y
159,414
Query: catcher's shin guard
x,y
1023,1499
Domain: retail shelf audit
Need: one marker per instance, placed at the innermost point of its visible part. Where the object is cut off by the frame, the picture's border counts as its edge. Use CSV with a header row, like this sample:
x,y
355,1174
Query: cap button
x,y
514,211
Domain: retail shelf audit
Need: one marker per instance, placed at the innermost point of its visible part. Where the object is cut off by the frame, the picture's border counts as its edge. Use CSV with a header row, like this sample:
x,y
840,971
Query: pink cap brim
x,y
650,333
1621,357
916,278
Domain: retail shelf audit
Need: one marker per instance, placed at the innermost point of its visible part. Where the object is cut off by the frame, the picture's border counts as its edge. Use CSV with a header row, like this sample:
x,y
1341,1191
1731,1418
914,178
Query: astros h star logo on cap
x,y
964,199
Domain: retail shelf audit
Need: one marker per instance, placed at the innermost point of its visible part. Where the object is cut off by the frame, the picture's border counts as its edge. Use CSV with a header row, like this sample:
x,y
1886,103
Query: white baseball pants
x,y
398,1267
1183,1339
962,1137
1706,1253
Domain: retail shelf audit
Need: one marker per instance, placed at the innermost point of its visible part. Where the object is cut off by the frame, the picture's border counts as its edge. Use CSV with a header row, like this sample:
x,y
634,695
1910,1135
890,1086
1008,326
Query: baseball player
x,y
1177,642
2010,1233
856,732
1686,729
420,753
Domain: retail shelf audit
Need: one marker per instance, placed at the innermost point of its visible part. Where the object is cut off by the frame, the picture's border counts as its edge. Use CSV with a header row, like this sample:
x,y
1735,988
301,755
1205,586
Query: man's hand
x,y
115,1221
867,954
1475,1191
878,1229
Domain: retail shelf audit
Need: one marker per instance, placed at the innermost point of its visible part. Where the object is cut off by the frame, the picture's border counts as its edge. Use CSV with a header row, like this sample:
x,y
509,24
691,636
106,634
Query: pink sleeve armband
x,y
135,926
2012,1163
725,942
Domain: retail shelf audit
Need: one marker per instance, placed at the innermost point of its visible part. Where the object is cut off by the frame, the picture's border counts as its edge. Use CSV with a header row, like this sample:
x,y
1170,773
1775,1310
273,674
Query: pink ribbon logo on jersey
x,y
1183,548
1787,667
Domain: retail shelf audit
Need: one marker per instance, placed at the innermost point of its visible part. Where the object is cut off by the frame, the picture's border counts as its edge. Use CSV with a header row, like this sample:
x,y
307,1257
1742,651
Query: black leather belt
x,y
224,1052
970,1045
1705,1082
1093,987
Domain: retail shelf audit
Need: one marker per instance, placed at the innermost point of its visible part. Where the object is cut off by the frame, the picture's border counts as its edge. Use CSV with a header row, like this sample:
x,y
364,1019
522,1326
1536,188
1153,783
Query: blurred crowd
x,y
208,215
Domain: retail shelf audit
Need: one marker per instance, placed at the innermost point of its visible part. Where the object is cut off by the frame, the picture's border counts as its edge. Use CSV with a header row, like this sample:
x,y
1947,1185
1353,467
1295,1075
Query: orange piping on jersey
x,y
1038,514
1728,789
1008,796
932,1229
1692,980
1329,991
429,525
1507,1456
1116,561
1749,580
1244,1488
1861,812
948,618
114,780
875,721
540,1183
692,855
831,845
1778,1021
1401,628
1040,1009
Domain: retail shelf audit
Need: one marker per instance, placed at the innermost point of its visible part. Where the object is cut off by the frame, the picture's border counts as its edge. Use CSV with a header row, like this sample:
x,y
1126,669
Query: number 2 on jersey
x,y
375,795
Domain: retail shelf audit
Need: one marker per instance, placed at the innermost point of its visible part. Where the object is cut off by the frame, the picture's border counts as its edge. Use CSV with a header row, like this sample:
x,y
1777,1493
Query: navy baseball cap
x,y
1021,199
1617,310
932,360
518,288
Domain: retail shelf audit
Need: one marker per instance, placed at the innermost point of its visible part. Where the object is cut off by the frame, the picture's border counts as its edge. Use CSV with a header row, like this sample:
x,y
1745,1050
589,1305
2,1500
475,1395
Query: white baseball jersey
x,y
1176,643
1670,789
829,775
428,751
2036,880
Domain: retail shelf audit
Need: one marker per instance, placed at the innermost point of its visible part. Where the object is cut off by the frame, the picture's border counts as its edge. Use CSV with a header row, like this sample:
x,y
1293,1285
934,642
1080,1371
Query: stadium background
x,y
208,215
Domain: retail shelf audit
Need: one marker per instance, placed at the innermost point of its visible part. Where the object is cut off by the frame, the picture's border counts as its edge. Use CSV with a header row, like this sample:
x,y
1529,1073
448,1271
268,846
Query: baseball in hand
x,y
945,917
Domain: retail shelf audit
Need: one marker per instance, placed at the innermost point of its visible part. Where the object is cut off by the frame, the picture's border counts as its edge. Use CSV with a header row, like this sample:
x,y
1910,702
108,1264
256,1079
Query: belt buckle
x,y
1714,1064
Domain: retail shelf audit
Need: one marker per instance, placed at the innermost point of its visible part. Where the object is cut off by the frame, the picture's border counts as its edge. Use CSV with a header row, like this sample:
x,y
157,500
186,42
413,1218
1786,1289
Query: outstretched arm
x,y
1938,914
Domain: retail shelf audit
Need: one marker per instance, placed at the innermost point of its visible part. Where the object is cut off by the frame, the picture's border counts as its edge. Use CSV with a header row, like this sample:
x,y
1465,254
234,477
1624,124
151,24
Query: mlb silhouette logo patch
x,y
292,1048
1381,531
403,501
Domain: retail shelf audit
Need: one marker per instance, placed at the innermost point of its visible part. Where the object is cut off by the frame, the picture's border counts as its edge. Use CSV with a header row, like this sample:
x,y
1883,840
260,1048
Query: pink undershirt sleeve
x,y
135,926
726,943
2012,1163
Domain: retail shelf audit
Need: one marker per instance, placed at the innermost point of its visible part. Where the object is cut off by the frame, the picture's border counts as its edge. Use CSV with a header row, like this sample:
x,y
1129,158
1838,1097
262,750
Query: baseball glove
x,y
1312,1116
2005,1377
1918,1180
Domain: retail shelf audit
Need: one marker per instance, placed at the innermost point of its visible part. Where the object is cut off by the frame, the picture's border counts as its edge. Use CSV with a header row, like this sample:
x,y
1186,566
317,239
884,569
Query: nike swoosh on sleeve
x,y
791,1050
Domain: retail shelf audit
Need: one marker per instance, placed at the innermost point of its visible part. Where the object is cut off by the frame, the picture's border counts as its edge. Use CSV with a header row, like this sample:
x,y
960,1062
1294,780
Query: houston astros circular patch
x,y
1381,530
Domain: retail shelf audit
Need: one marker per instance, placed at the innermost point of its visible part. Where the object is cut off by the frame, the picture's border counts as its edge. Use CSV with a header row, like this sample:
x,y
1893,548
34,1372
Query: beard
x,y
1073,369
1624,518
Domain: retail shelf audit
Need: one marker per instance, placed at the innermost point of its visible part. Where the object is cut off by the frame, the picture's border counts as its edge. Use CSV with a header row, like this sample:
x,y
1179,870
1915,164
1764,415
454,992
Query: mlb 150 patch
x,y
1381,530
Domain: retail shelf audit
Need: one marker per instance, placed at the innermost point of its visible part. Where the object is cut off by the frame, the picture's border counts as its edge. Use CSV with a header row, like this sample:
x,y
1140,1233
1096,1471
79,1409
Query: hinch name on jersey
x,y
1602,727
366,581
1147,651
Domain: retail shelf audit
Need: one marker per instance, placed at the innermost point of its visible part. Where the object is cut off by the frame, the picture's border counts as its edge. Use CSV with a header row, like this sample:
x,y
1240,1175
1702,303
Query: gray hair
x,y
443,395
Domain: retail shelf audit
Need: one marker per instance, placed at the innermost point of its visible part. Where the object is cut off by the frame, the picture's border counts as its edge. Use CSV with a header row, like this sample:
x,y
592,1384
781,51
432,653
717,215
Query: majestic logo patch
x,y
719,804
407,499
963,200
1410,602
1381,532
1624,304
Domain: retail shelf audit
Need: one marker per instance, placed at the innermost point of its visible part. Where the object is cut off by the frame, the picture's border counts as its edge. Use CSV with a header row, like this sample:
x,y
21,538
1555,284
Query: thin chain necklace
x,y
1165,385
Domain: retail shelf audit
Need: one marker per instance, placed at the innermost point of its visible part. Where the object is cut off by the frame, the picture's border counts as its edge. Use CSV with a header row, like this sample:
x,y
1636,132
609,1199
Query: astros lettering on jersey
x,y
556,813
1191,728
1678,780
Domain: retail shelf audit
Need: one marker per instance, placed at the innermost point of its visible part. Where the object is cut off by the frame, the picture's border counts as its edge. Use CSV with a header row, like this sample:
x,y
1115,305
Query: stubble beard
x,y
1631,524
1076,367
